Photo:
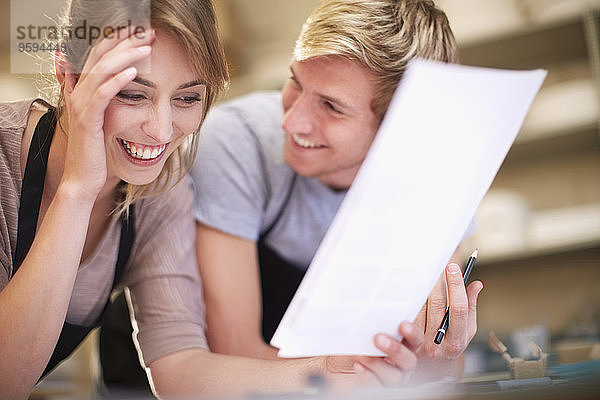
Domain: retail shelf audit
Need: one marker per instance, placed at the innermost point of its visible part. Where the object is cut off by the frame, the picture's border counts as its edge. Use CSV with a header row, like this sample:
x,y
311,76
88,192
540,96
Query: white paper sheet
x,y
444,137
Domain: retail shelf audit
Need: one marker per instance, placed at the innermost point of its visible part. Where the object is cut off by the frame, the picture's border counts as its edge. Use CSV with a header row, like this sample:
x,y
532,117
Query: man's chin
x,y
299,167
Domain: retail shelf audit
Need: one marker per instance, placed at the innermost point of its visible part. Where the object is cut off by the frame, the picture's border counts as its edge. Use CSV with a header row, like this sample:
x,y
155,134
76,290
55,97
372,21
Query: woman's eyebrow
x,y
192,83
144,82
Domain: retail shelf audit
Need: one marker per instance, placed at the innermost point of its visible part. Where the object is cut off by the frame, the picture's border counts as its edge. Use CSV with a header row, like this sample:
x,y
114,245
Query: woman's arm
x,y
166,304
230,275
198,372
36,299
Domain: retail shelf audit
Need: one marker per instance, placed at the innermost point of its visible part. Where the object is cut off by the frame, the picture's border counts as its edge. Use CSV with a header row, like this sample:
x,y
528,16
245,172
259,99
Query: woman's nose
x,y
159,124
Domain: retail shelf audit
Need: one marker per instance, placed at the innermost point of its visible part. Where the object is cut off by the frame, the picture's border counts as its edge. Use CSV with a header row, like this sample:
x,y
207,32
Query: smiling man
x,y
273,168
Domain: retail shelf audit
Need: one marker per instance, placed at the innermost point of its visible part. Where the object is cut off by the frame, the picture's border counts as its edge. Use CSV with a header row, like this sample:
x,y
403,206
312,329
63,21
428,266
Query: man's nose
x,y
298,117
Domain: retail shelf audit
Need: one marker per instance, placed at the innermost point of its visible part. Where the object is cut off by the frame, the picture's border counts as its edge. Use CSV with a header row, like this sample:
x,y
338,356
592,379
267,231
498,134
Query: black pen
x,y
444,325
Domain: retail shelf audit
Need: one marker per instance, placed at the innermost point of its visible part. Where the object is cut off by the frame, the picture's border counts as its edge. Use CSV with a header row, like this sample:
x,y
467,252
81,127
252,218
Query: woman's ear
x,y
63,70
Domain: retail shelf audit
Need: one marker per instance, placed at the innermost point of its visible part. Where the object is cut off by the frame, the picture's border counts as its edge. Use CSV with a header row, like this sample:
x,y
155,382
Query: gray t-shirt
x,y
242,180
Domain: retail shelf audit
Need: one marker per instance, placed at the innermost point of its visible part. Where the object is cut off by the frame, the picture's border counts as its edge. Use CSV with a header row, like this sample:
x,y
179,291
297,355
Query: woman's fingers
x,y
106,74
412,335
124,35
114,61
368,377
398,354
109,89
127,51
386,373
401,358
88,104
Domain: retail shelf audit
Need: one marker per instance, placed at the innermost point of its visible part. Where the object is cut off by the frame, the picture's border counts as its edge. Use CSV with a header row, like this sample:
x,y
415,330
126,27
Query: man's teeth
x,y
304,143
143,152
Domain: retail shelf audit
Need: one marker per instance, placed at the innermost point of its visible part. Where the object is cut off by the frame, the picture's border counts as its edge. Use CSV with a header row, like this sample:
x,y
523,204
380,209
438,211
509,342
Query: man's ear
x,y
63,70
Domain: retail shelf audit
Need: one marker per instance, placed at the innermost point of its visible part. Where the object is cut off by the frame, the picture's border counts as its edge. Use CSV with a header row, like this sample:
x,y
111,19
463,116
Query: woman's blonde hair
x,y
193,23
383,35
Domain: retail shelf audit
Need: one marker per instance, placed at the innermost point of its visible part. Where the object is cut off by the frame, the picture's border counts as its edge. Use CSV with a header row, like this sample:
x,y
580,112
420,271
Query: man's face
x,y
328,119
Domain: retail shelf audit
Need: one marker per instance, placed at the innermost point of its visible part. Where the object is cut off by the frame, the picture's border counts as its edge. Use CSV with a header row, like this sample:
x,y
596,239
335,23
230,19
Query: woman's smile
x,y
141,154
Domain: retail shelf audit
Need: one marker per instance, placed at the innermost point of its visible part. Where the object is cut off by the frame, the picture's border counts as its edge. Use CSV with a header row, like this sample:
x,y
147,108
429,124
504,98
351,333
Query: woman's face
x,y
151,116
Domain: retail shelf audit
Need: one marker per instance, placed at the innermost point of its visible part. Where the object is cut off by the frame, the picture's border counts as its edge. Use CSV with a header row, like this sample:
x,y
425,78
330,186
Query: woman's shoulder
x,y
17,122
166,207
14,114
164,224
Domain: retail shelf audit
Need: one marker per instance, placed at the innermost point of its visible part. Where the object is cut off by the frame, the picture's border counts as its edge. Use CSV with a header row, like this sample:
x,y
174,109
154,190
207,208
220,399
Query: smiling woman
x,y
193,38
73,216
154,114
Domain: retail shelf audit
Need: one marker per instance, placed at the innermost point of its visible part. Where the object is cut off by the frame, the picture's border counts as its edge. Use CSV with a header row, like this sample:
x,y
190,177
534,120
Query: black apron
x,y
119,361
278,277
31,196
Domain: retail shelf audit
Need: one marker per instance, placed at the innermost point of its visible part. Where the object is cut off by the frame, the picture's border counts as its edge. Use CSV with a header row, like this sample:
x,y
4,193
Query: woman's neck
x,y
56,167
105,201
103,205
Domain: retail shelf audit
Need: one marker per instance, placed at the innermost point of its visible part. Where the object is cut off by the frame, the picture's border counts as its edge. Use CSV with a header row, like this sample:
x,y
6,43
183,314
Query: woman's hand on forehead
x,y
87,96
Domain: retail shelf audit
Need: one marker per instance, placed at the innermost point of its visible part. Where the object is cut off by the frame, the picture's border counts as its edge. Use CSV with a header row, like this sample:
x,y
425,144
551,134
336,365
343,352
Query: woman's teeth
x,y
304,143
141,151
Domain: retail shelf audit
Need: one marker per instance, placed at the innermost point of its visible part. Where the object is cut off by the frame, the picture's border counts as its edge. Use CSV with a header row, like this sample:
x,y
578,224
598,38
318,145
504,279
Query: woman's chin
x,y
140,178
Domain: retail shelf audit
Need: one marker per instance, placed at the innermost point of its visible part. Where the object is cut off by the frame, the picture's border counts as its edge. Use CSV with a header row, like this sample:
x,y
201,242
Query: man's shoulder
x,y
260,113
251,122
267,102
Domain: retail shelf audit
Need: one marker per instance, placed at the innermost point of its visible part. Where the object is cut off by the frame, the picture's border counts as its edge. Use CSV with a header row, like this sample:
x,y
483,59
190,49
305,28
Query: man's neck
x,y
339,180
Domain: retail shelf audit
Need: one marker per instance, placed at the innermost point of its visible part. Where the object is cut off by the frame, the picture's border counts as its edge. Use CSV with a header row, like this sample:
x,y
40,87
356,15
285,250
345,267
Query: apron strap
x,y
286,200
279,281
29,208
33,186
278,277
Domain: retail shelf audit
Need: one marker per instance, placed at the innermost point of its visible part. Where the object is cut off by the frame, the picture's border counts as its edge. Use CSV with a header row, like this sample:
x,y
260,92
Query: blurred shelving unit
x,y
539,226
259,38
563,125
570,50
548,189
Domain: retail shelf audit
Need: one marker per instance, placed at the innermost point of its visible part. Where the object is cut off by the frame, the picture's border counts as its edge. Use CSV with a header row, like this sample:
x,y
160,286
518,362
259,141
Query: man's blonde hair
x,y
383,35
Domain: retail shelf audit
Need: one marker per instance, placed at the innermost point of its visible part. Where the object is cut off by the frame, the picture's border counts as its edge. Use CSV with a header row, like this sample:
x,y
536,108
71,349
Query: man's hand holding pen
x,y
437,360
418,358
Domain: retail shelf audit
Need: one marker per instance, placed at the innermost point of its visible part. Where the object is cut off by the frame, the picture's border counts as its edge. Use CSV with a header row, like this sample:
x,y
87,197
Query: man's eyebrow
x,y
339,102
